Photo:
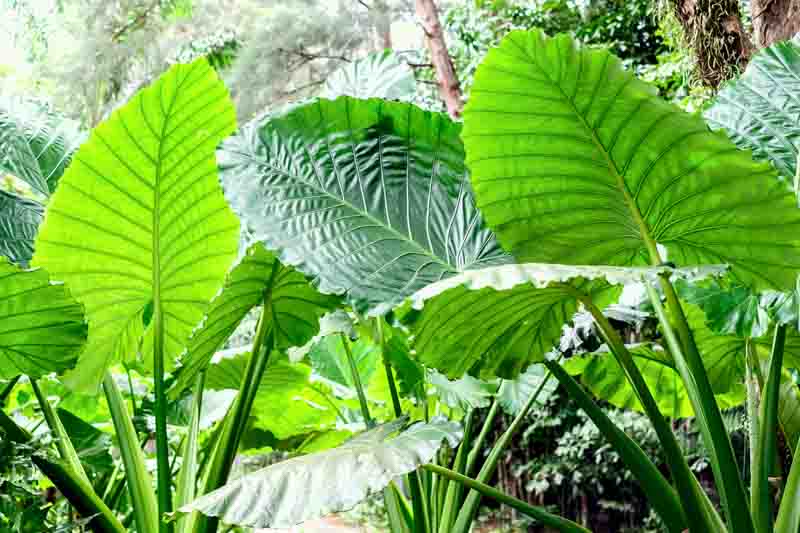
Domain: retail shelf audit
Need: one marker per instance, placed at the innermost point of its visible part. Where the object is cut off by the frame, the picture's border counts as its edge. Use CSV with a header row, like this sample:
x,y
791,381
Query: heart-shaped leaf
x,y
576,161
139,223
372,198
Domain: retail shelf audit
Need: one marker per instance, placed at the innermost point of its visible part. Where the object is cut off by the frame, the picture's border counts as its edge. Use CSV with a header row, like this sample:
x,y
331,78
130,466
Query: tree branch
x,y
449,87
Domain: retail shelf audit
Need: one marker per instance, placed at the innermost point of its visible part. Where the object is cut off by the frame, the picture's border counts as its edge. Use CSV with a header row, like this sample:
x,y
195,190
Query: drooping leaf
x,y
372,198
379,75
36,144
295,309
42,327
311,486
286,403
499,320
19,221
759,109
329,360
139,217
514,394
561,139
734,310
465,392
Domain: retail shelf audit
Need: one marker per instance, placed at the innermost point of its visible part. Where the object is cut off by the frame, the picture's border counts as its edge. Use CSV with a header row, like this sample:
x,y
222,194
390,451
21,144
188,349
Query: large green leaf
x,y
372,198
42,328
295,309
139,219
19,221
287,403
734,310
312,486
576,161
499,320
378,75
35,143
759,109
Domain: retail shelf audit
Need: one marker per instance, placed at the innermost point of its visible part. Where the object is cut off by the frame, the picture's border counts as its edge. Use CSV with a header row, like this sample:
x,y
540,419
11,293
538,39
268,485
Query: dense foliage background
x,y
82,59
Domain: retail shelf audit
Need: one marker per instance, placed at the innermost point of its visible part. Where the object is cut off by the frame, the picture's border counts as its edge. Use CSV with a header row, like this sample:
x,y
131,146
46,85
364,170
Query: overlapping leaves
x,y
372,198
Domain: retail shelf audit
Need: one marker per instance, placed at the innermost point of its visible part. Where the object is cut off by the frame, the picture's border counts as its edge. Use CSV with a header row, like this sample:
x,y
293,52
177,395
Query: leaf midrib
x,y
644,231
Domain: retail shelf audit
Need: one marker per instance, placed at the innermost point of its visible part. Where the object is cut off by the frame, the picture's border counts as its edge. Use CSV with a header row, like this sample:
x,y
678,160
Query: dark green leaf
x,y
19,221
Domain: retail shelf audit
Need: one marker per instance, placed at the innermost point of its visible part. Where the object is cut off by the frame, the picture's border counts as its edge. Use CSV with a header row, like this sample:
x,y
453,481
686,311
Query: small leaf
x,y
464,393
514,394
311,486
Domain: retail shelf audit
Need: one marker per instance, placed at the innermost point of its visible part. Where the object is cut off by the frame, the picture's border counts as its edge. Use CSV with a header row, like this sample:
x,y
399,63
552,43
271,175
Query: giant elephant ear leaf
x,y
575,161
372,198
42,328
295,308
759,110
139,223
311,486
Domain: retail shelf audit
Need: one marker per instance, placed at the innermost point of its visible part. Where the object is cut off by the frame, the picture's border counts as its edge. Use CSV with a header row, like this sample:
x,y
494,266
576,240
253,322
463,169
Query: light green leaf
x,y
139,216
465,392
329,360
514,394
759,109
42,328
379,75
576,161
19,221
735,310
372,198
311,486
36,144
287,403
295,311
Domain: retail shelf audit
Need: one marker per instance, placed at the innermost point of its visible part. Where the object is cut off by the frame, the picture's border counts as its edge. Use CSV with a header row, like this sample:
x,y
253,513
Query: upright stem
x,y
228,440
478,445
65,448
398,409
362,398
766,444
690,366
162,440
687,484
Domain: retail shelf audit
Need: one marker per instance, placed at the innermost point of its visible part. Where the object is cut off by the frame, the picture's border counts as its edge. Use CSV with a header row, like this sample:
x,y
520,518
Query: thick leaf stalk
x,y
766,439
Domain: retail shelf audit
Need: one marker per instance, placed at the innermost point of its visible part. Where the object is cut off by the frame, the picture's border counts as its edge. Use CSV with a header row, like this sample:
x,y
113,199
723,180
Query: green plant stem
x,y
550,520
64,444
694,499
470,506
788,520
140,485
398,409
659,492
689,365
753,389
766,444
453,495
187,478
478,444
362,398
227,443
164,475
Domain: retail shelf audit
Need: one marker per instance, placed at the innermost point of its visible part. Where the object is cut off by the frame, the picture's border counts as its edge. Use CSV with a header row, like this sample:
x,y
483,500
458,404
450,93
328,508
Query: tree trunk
x,y
714,32
774,20
449,88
